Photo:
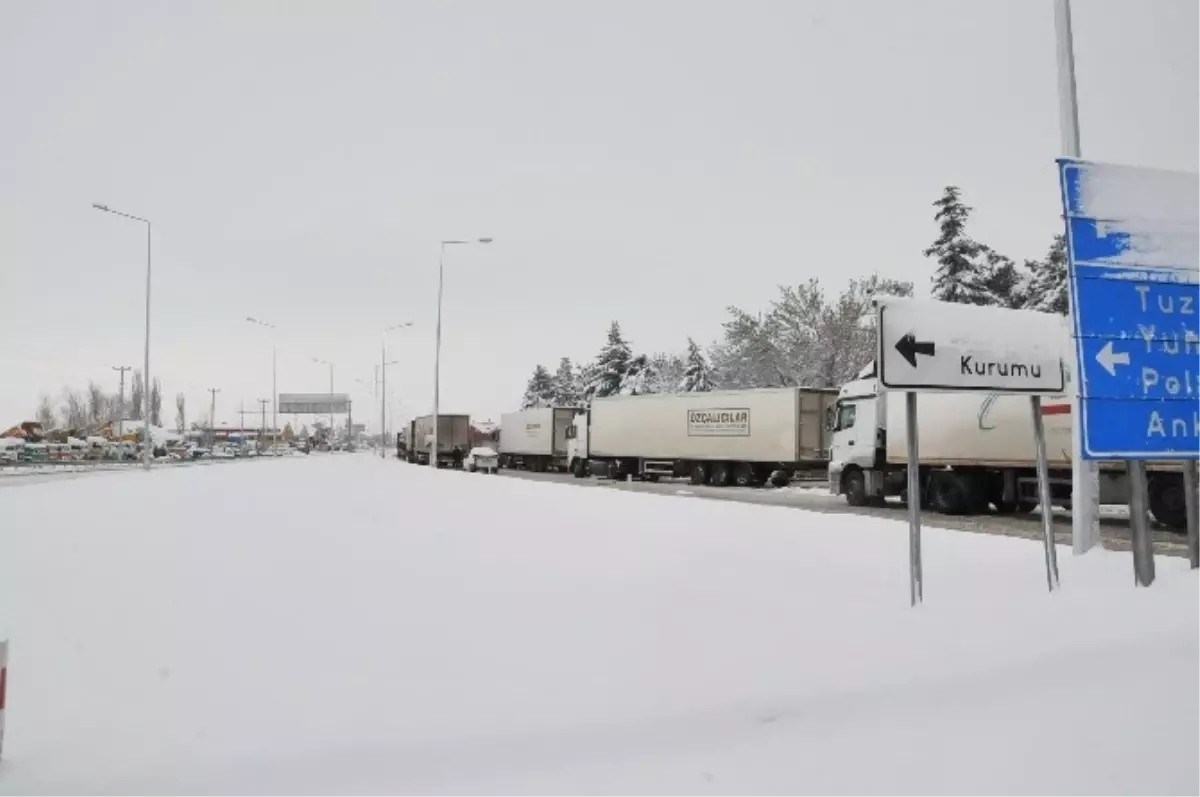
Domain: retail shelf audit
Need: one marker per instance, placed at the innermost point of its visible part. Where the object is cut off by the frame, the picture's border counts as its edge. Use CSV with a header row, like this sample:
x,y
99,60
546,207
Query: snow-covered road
x,y
345,624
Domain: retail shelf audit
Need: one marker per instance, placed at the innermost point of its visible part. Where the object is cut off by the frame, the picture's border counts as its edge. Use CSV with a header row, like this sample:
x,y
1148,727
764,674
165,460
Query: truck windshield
x,y
845,416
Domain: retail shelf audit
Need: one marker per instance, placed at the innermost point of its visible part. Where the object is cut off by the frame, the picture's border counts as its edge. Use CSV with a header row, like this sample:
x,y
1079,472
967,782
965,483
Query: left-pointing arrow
x,y
909,347
1110,359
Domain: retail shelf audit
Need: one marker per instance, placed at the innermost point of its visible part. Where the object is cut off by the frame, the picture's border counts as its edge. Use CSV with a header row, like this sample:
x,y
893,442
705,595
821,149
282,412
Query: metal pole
x,y
1193,516
212,420
1043,477
437,361
332,430
1085,488
149,447
914,502
274,396
1139,524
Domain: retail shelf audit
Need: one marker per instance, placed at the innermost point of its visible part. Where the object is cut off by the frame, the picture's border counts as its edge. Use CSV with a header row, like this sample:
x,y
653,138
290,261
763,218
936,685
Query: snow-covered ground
x,y
352,625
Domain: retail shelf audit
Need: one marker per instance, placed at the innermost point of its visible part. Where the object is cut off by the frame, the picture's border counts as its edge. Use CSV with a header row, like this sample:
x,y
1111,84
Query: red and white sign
x,y
3,685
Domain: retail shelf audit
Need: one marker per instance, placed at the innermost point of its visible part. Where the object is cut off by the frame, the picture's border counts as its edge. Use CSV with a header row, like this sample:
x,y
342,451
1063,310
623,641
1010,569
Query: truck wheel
x,y
579,468
948,494
780,478
854,485
743,475
1168,503
722,474
699,473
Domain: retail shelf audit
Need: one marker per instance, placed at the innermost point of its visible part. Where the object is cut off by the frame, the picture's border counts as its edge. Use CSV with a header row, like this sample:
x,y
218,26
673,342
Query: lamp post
x,y
437,351
149,445
274,384
383,364
326,362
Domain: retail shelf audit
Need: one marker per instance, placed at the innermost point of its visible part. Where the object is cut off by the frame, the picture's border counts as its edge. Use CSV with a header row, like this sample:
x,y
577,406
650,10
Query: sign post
x,y
1193,522
1043,478
929,346
915,587
3,688
1133,254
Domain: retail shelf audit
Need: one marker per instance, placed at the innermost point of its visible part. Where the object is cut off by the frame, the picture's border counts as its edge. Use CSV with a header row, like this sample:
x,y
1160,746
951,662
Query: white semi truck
x,y
730,437
974,450
536,439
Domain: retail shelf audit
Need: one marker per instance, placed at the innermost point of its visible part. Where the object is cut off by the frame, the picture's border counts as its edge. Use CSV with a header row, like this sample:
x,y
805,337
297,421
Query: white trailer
x,y
536,439
742,437
975,450
454,432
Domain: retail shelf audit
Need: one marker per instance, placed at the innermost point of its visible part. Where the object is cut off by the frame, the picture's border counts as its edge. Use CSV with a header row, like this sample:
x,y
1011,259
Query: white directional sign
x,y
942,346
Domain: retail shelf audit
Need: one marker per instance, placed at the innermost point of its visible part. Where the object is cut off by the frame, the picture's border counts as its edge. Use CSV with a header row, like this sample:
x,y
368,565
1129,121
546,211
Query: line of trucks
x,y
976,451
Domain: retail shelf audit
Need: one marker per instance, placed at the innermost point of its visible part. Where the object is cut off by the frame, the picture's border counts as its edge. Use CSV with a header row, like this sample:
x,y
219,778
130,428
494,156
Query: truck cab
x,y
857,441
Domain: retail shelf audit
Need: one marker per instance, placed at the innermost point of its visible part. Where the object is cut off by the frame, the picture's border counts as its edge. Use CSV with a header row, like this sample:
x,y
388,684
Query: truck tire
x,y
579,468
699,473
722,474
1168,502
744,476
948,494
780,478
854,485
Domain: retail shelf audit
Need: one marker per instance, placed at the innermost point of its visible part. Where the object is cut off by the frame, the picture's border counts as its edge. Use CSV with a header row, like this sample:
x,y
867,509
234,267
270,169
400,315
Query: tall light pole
x,y
1085,479
437,350
121,396
212,419
383,364
326,362
274,384
149,445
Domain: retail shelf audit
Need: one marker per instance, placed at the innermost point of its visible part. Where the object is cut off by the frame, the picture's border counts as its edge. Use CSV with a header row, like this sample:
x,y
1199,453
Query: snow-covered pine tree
x,y
668,372
1046,287
610,367
566,384
539,392
962,272
696,375
639,377
1005,284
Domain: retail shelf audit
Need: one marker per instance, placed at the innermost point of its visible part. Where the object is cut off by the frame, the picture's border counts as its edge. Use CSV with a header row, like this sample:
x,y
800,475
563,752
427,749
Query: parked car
x,y
482,459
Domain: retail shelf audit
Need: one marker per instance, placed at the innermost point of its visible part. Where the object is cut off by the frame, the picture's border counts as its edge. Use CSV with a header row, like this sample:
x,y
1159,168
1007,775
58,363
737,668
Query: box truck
x,y
976,451
454,432
536,439
728,437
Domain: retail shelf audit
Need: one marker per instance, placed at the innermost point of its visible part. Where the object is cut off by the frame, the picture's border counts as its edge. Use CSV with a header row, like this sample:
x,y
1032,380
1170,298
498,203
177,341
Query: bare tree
x,y
137,396
98,404
74,409
45,413
180,414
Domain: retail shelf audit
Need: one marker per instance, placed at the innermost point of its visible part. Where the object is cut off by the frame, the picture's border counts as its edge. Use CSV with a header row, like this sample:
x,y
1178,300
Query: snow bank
x,y
446,632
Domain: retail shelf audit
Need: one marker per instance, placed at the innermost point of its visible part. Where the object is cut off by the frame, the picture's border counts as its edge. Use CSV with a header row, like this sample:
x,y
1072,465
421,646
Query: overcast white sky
x,y
649,161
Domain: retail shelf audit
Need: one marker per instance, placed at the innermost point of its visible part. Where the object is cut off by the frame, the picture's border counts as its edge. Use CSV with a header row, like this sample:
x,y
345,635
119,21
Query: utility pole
x,y
121,396
212,419
242,413
349,422
262,429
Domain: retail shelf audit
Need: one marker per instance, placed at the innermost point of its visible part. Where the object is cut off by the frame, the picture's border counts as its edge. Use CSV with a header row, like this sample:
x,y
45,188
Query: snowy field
x,y
351,625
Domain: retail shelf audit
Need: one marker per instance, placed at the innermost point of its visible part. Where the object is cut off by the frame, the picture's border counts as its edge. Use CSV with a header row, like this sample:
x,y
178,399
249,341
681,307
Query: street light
x,y
148,443
383,364
326,362
437,351
274,388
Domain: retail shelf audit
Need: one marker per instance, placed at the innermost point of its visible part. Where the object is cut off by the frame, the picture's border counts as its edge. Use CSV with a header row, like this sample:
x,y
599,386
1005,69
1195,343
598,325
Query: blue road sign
x,y
1132,252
